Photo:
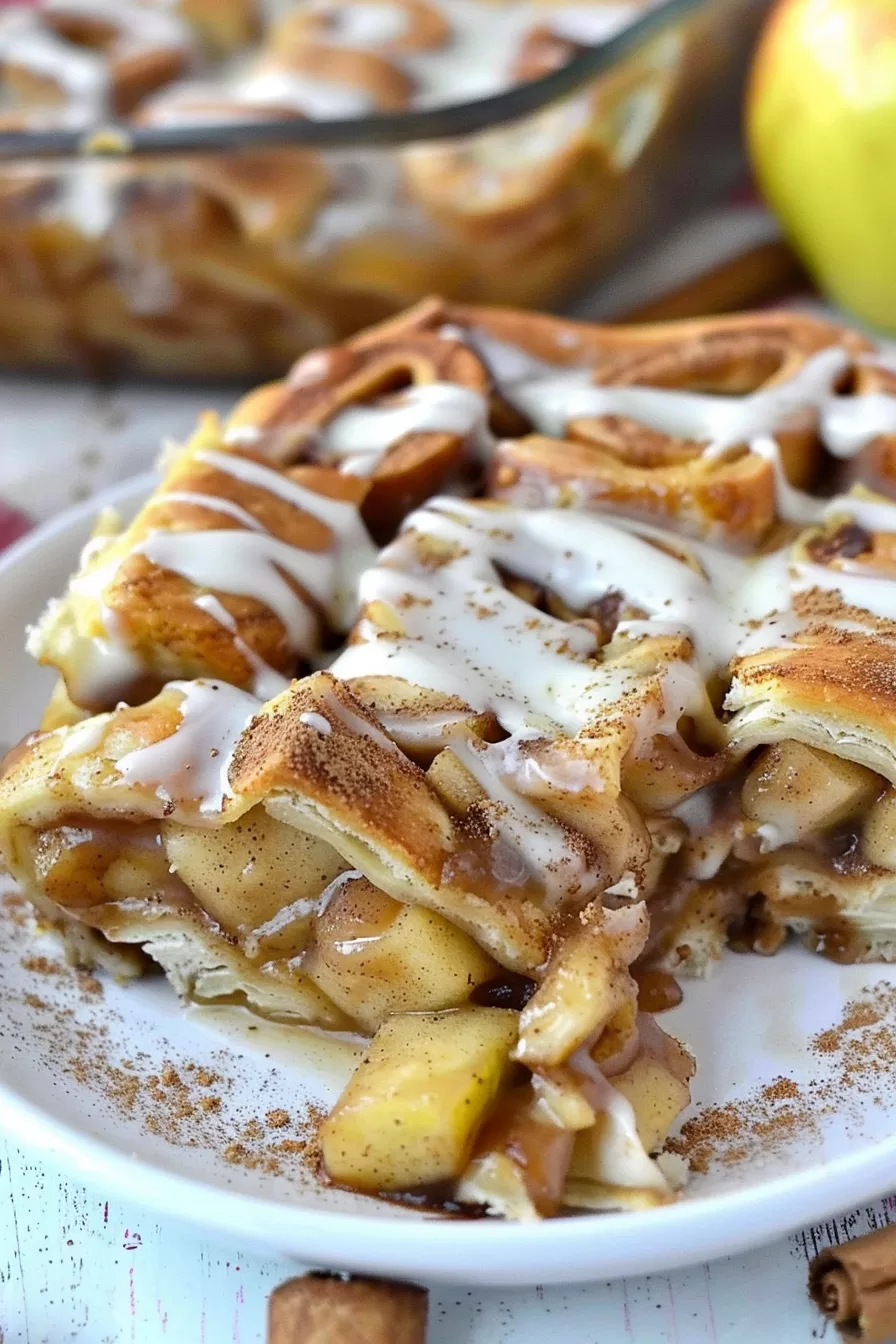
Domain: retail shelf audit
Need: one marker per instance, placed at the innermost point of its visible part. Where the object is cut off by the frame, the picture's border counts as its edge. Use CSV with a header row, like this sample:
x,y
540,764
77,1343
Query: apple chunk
x,y
795,791
409,1114
375,956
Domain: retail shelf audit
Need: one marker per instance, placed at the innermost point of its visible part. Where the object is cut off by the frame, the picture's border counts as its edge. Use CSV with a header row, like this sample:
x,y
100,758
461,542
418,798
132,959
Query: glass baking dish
x,y
225,250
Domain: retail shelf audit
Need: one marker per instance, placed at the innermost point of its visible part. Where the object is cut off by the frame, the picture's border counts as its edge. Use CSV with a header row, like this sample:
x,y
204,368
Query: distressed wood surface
x,y
79,1264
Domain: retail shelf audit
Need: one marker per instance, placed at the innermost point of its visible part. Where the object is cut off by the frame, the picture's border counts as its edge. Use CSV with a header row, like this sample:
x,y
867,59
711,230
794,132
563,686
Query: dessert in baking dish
x,y
234,263
616,696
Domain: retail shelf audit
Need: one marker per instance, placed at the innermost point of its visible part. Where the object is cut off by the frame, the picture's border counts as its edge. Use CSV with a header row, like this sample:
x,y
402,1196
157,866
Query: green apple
x,y
821,128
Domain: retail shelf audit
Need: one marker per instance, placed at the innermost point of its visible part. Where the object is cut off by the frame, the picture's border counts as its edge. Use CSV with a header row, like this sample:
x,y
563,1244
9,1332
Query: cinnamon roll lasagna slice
x,y
564,751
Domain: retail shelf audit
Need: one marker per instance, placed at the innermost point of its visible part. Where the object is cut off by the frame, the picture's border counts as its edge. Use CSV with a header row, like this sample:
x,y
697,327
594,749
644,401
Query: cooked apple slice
x,y
794,790
409,1115
374,956
586,989
879,832
258,878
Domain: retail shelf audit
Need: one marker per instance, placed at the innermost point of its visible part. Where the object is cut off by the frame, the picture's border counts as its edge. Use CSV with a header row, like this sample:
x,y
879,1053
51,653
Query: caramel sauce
x,y
754,931
839,941
844,850
542,1153
359,915
429,1199
74,859
477,867
657,990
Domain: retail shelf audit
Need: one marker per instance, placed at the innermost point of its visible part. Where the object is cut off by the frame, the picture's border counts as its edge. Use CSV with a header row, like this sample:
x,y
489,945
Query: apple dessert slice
x,y
290,857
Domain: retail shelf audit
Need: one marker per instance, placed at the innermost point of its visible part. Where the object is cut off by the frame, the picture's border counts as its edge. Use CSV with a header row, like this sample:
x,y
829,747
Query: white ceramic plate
x,y
75,1070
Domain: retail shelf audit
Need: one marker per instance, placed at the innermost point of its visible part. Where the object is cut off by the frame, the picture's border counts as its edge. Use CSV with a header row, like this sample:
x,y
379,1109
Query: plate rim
x,y
488,1252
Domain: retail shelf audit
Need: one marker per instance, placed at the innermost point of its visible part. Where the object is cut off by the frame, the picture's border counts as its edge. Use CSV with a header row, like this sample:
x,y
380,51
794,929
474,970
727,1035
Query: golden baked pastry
x,y
563,752
233,568
704,424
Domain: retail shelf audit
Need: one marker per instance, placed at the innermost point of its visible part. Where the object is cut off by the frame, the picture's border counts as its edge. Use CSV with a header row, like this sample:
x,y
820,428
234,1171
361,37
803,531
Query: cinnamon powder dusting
x,y
182,1102
760,1125
856,1061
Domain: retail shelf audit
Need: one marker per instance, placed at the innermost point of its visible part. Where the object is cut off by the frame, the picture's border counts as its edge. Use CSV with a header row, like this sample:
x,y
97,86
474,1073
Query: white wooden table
x,y
79,1264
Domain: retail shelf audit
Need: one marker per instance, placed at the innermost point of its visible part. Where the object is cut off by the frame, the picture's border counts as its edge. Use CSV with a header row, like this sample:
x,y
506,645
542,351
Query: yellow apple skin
x,y
821,129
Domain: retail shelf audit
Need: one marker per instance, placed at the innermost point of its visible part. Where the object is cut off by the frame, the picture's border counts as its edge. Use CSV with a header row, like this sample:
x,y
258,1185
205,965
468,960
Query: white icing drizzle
x,y
423,730
90,197
243,435
551,395
359,437
477,59
320,99
317,722
192,765
354,549
877,515
361,25
463,634
249,564
214,503
535,844
267,682
721,422
83,74
588,24
106,666
619,1157
252,563
358,724
509,364
850,423
82,737
880,359
468,636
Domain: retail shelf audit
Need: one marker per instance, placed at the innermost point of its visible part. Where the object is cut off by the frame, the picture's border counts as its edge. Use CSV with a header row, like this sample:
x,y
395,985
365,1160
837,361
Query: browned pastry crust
x,y
617,463
154,614
326,382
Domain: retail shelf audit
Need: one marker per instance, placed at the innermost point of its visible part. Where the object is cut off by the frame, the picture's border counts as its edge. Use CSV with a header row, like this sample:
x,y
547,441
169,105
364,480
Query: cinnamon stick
x,y
855,1286
333,1309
